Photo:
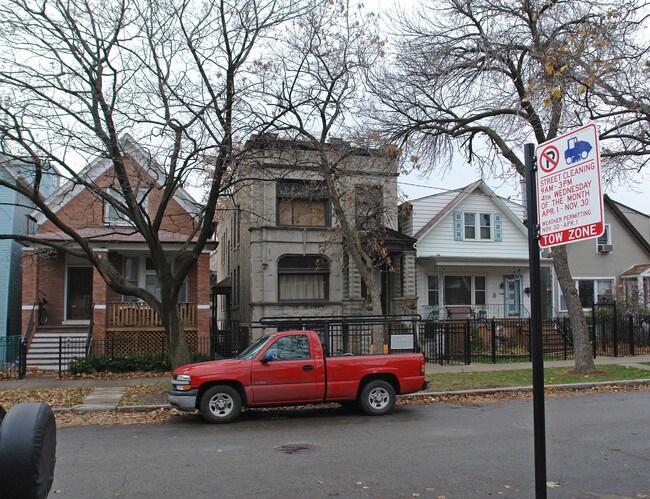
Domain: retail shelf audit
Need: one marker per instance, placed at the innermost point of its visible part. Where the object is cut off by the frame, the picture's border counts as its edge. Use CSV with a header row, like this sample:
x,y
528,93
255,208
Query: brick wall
x,y
87,209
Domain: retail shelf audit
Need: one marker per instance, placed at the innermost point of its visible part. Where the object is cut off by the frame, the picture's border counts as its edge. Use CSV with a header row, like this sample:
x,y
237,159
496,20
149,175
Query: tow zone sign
x,y
569,195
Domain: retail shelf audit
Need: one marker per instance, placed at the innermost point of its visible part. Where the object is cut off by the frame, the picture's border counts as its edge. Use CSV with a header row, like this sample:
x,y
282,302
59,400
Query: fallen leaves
x,y
54,397
149,394
112,418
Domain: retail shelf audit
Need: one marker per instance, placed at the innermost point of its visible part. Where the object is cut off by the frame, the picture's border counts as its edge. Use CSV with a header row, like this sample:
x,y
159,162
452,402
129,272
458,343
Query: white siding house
x,y
472,256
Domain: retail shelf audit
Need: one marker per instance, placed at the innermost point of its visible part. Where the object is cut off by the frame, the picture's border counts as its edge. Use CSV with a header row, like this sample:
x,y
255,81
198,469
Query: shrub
x,y
128,363
120,364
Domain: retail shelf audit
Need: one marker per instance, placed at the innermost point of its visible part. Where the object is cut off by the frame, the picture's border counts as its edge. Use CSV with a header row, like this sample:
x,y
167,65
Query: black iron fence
x,y
10,352
508,340
442,342
221,344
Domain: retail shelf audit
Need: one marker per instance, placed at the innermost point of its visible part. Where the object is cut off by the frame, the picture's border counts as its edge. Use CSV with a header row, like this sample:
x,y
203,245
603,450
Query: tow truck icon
x,y
576,150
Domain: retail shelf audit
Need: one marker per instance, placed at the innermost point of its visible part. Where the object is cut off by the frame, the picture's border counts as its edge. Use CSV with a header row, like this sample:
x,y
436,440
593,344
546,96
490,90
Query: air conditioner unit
x,y
604,248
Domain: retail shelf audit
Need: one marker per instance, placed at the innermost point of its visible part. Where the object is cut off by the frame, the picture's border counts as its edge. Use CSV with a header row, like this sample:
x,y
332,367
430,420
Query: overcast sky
x,y
414,185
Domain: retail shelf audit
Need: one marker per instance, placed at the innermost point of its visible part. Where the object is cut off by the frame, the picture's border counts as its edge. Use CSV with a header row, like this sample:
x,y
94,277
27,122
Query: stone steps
x,y
43,352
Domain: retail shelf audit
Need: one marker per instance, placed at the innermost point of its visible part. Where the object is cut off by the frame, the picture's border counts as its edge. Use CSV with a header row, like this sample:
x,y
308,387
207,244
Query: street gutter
x,y
79,409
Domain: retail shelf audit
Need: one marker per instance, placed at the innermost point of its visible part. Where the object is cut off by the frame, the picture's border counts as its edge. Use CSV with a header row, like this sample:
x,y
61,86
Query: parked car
x,y
289,368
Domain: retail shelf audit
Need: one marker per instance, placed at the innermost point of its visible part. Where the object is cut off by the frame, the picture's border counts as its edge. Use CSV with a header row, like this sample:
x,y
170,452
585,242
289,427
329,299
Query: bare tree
x,y
316,101
487,76
177,75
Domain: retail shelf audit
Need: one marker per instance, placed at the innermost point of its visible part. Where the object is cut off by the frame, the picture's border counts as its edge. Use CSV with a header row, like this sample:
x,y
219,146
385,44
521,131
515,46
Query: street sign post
x,y
569,194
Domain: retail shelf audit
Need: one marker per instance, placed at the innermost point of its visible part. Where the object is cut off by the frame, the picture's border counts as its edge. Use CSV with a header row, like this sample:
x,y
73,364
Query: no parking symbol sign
x,y
569,193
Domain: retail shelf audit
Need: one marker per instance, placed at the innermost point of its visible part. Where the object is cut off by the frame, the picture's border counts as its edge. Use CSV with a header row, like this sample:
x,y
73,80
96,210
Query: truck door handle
x,y
307,368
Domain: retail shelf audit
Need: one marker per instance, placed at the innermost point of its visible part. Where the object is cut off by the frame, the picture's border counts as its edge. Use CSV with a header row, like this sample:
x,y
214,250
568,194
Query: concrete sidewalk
x,y
107,393
636,361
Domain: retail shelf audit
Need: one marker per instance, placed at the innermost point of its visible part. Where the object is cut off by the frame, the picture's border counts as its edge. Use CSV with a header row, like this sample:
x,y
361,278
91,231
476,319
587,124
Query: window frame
x,y
324,271
112,217
301,191
477,226
368,206
562,306
433,289
472,289
142,273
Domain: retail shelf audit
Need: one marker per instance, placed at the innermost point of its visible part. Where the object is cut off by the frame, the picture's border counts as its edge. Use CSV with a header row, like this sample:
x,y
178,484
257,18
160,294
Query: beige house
x,y
615,264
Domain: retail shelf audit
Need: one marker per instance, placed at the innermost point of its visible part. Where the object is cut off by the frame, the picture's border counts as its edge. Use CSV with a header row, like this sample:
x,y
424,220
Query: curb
x,y
81,409
569,386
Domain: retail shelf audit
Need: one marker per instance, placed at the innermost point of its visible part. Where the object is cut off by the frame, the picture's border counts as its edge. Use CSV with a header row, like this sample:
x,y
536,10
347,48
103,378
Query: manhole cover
x,y
296,448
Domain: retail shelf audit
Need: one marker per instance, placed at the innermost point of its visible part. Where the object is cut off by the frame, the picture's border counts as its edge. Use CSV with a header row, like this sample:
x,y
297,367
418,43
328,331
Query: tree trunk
x,y
171,320
377,329
584,360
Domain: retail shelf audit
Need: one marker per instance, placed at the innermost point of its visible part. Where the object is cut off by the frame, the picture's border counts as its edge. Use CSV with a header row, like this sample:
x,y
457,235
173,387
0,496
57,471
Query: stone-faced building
x,y
281,252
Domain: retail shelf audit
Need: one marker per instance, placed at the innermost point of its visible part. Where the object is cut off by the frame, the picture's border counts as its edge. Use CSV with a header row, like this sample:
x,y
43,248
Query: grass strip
x,y
441,382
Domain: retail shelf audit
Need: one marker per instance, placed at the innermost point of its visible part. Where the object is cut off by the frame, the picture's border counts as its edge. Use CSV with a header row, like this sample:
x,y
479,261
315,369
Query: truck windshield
x,y
252,350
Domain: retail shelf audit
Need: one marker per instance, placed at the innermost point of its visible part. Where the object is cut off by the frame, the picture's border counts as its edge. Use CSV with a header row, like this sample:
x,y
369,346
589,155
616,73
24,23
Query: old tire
x,y
220,404
377,398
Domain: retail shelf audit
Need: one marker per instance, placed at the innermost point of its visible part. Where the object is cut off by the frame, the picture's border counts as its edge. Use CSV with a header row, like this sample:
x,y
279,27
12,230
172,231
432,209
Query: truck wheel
x,y
377,398
220,404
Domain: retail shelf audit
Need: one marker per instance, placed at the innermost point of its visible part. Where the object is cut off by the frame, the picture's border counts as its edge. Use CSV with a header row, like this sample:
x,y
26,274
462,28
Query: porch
x,y
479,312
127,316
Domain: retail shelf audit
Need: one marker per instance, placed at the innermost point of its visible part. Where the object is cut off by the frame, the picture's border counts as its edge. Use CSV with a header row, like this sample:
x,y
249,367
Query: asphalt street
x,y
598,446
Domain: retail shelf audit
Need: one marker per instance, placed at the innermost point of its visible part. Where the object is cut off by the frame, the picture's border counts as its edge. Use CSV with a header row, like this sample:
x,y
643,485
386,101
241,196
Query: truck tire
x,y
377,398
220,404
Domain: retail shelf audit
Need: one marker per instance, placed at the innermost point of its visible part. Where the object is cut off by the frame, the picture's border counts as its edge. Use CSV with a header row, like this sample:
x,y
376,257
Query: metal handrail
x,y
30,327
89,336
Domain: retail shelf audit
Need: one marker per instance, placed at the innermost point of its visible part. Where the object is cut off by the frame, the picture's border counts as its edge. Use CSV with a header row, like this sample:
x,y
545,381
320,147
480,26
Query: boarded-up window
x,y
302,203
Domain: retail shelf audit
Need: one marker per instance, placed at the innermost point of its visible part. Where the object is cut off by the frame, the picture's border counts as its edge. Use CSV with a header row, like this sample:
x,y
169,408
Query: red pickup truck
x,y
290,368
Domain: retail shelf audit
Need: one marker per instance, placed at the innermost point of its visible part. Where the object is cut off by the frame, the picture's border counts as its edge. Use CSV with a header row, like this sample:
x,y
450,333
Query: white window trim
x,y
119,219
143,273
477,226
608,232
560,295
472,288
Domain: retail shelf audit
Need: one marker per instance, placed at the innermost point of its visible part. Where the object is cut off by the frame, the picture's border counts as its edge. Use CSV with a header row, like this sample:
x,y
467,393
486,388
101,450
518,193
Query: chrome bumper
x,y
183,401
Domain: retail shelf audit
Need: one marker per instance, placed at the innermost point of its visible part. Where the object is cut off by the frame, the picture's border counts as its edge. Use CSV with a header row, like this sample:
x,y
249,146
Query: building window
x,y
114,217
591,291
369,206
479,290
484,228
131,273
465,290
470,225
604,242
606,237
302,203
139,271
433,290
303,278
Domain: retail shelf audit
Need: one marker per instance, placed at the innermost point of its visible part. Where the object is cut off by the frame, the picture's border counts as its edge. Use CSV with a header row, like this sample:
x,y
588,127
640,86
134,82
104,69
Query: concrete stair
x,y
43,351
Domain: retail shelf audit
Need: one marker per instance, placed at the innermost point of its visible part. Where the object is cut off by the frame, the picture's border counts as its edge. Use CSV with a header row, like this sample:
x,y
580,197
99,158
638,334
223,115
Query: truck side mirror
x,y
268,356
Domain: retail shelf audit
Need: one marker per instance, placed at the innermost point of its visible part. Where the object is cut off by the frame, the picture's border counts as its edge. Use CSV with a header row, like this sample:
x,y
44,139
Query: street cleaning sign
x,y
569,195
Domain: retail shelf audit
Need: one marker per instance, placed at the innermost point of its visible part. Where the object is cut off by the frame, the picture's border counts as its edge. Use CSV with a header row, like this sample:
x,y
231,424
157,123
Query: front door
x,y
512,287
80,293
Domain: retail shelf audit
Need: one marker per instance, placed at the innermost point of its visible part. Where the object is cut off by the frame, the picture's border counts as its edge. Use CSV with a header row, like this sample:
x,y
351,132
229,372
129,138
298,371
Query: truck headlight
x,y
181,382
